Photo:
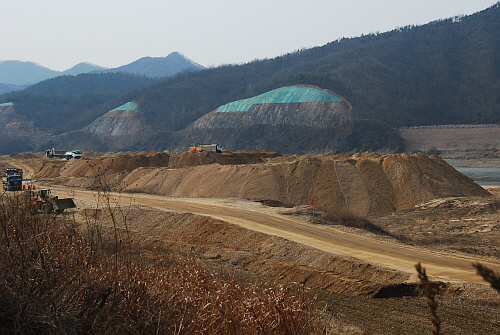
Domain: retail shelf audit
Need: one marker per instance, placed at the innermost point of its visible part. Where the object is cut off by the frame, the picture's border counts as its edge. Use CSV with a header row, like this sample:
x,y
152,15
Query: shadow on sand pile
x,y
359,184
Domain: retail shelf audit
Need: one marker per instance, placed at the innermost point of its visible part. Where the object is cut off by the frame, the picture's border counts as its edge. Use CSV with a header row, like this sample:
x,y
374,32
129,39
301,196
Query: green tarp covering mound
x,y
129,106
290,94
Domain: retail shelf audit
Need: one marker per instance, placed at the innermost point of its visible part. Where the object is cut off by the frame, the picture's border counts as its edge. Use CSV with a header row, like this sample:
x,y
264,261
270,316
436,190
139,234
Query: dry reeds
x,y
430,293
56,277
488,275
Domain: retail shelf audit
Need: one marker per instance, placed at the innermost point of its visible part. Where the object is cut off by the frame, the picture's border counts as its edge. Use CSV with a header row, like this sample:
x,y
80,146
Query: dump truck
x,y
51,153
64,154
42,200
206,147
13,179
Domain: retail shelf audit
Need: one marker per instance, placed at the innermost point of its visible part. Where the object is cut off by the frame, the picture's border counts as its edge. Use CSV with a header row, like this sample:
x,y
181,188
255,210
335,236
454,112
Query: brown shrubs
x,y
56,277
488,275
430,293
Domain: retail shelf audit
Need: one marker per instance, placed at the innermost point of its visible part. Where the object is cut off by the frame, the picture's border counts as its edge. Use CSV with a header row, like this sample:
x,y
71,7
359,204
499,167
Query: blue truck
x,y
13,180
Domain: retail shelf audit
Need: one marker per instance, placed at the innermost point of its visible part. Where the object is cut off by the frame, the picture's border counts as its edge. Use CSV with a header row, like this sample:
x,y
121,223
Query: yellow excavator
x,y
43,201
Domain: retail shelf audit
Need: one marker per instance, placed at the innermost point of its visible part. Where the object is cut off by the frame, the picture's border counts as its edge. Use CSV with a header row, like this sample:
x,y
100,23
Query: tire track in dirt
x,y
448,267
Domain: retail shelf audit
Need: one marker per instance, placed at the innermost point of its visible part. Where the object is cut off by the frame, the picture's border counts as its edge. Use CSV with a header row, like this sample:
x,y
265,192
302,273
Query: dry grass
x,y
55,278
430,293
488,275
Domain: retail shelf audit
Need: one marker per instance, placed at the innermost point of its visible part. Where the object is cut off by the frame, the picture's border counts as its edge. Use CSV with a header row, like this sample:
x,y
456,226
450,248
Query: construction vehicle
x,y
72,154
51,153
206,147
13,180
43,201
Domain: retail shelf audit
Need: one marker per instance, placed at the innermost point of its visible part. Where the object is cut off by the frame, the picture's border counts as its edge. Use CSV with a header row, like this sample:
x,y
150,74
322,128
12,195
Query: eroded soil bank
x,y
255,258
364,185
448,204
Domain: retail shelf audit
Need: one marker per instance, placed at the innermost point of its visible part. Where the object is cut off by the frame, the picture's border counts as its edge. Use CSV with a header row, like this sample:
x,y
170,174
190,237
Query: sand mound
x,y
360,184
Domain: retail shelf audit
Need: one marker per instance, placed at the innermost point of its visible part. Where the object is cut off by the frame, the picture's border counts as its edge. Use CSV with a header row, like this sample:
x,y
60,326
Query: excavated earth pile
x,y
363,185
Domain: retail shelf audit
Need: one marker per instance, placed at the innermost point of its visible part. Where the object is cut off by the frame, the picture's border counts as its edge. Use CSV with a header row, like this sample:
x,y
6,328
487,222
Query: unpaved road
x,y
446,266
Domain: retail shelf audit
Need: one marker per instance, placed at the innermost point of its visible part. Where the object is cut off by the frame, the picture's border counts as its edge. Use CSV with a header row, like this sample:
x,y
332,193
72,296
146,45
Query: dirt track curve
x,y
449,267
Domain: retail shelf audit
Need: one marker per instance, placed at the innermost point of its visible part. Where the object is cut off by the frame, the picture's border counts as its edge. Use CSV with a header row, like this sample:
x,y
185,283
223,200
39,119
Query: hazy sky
x,y
59,34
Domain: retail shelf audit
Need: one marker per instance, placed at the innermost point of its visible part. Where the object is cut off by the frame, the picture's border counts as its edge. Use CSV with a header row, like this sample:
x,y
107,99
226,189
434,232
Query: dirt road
x,y
446,266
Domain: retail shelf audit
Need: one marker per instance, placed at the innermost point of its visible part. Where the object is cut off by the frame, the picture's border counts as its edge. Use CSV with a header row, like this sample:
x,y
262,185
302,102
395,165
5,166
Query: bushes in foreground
x,y
55,279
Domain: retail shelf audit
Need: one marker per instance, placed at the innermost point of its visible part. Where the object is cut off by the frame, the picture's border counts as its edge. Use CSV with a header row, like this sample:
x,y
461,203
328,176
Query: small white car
x,y
72,154
77,154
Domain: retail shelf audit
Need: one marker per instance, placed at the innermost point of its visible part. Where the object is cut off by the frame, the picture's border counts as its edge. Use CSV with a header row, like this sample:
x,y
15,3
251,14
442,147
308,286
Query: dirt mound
x,y
118,122
368,184
363,185
226,158
310,106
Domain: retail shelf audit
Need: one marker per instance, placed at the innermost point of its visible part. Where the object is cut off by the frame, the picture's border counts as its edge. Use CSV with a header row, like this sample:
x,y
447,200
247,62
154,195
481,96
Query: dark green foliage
x,y
90,83
445,72
62,113
440,73
69,103
4,88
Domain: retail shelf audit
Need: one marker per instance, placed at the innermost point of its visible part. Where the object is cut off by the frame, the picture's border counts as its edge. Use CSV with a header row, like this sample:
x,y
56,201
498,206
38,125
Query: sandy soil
x,y
246,255
448,267
365,185
247,240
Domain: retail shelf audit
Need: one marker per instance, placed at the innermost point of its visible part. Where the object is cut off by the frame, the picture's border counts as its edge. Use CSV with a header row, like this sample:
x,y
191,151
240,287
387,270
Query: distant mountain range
x,y
444,72
159,66
16,72
15,75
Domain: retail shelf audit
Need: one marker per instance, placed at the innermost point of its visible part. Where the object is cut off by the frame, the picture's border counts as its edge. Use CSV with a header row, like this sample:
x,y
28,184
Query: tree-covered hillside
x,y
447,71
90,83
69,103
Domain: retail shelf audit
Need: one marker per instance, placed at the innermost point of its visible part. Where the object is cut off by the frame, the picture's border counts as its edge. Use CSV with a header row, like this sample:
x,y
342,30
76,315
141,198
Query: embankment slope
x,y
364,185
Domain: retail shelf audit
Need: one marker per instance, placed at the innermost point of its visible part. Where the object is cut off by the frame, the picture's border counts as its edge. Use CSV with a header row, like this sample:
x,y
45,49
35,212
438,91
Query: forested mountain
x,y
81,68
68,103
23,73
445,72
14,72
27,73
5,88
87,83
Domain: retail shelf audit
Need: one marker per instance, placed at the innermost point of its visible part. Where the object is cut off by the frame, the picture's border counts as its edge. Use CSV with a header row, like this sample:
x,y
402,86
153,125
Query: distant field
x,y
455,141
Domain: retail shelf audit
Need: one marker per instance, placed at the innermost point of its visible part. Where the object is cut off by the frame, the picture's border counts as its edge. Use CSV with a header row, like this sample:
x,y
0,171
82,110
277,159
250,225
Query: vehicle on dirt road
x,y
43,201
207,147
65,154
13,179
51,153
72,154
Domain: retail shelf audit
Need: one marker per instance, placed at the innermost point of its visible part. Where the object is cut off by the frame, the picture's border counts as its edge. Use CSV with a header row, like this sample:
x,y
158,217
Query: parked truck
x,y
42,200
13,179
51,153
64,154
207,147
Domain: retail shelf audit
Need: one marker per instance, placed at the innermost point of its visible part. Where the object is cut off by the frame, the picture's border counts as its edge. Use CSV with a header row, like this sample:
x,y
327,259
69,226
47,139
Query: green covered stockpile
x,y
129,106
290,94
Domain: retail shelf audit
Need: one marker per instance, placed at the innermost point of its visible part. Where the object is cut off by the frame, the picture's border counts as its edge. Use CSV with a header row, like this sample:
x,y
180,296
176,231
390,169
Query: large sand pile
x,y
360,184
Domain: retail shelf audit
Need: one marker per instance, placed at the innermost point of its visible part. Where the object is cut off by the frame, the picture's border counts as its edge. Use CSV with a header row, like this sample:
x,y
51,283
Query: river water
x,y
481,175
